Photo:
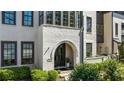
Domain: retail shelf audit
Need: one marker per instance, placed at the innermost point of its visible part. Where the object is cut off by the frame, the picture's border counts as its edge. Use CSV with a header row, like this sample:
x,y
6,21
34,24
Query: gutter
x,y
81,38
112,36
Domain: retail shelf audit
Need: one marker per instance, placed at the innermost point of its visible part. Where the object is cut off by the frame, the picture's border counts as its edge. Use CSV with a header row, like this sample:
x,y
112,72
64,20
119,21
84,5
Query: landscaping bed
x,y
24,73
109,70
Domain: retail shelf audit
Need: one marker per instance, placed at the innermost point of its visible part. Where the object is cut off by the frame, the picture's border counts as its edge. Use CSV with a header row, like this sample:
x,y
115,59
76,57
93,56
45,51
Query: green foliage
x,y
39,75
109,70
58,71
121,50
88,54
85,72
6,74
52,75
120,71
15,73
21,73
67,60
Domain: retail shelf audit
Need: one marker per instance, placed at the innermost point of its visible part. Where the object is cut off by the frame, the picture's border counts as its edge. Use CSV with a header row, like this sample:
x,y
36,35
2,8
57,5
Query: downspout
x,y
112,36
81,38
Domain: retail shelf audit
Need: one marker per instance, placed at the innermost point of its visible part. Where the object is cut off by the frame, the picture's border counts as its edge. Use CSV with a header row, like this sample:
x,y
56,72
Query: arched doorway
x,y
64,57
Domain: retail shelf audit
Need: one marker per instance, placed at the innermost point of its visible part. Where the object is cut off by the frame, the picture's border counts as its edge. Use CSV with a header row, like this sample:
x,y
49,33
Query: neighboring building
x,y
46,39
110,26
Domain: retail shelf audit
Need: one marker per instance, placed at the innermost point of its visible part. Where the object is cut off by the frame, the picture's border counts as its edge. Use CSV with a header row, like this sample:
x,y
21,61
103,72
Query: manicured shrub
x,y
15,73
52,75
108,70
6,74
120,72
58,71
39,75
21,73
85,72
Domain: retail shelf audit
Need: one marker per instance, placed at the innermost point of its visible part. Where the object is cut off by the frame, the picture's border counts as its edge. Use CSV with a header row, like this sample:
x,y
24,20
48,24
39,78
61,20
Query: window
x,y
9,17
41,17
122,26
8,53
58,17
65,18
27,18
27,52
89,24
72,19
122,37
116,29
88,49
78,20
49,17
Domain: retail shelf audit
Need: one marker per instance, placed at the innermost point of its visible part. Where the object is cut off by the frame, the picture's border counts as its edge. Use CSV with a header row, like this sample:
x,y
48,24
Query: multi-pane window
x,y
78,19
122,29
89,24
122,37
88,49
8,53
72,19
27,18
41,17
116,29
58,17
9,17
65,18
27,52
49,17
122,26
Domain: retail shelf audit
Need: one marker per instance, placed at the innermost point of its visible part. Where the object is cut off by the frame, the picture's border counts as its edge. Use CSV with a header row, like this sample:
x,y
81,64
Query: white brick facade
x,y
47,38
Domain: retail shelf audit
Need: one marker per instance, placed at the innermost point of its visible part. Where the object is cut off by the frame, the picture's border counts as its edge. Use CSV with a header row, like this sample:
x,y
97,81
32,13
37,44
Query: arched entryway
x,y
64,57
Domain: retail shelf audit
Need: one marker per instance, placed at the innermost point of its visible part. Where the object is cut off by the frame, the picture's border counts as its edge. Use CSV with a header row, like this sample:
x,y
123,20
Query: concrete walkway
x,y
64,75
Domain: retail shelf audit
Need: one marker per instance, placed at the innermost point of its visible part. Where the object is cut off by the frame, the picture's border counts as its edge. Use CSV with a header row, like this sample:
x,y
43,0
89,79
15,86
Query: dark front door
x,y
60,57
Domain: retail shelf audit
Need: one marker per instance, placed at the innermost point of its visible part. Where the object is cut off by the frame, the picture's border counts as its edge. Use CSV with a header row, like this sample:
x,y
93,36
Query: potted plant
x,y
67,62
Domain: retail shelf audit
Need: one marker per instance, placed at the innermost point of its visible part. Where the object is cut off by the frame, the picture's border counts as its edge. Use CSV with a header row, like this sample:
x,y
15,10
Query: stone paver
x,y
64,75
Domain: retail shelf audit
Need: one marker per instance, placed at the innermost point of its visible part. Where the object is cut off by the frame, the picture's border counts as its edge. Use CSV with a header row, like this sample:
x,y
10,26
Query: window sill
x,y
116,35
9,66
27,25
88,32
8,24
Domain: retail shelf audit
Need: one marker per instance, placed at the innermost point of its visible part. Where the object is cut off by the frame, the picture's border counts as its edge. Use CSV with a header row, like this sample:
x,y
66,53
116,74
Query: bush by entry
x,y
39,75
109,70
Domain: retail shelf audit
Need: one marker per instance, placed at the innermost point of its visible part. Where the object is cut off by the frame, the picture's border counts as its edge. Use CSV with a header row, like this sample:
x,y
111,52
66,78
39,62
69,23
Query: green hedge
x,y
109,70
85,72
15,73
52,75
6,74
39,75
